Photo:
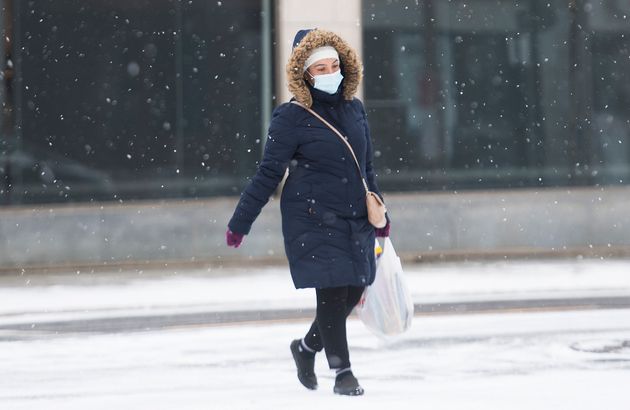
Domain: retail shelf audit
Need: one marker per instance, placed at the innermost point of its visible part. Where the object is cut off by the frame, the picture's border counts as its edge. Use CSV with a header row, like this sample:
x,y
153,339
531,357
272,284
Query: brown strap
x,y
345,141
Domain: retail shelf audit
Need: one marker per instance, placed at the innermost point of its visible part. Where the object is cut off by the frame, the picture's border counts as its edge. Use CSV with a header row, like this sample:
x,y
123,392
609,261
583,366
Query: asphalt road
x,y
164,321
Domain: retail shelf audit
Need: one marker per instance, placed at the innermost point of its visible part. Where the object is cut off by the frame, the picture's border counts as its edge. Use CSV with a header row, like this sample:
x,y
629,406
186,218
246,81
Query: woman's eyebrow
x,y
324,64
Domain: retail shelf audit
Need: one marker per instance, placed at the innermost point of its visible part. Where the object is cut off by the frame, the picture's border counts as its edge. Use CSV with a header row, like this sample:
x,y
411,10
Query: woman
x,y
328,240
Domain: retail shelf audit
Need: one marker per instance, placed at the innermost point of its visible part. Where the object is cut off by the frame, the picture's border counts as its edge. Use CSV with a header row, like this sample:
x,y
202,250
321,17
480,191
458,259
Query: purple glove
x,y
233,239
382,232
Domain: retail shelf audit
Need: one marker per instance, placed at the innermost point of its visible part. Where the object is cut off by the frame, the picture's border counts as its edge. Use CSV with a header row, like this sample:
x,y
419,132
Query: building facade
x,y
110,102
106,102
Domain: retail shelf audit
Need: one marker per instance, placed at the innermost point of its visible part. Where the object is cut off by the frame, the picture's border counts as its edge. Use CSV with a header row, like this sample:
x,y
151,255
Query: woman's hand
x,y
383,232
233,239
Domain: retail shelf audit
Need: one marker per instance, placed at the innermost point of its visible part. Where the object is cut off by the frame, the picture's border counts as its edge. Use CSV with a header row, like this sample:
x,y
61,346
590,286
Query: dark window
x,y
492,93
134,99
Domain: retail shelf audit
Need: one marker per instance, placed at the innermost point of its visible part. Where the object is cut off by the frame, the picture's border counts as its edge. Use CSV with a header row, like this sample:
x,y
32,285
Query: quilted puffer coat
x,y
328,239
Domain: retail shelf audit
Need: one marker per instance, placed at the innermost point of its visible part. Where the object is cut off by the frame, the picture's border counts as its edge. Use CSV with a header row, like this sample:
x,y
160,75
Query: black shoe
x,y
348,385
305,363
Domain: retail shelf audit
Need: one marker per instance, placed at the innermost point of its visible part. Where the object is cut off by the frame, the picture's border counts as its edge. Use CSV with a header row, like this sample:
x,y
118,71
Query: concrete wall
x,y
426,226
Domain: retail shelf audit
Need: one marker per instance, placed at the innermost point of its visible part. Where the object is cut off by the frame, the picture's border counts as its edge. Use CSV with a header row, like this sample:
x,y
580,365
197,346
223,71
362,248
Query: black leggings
x,y
328,330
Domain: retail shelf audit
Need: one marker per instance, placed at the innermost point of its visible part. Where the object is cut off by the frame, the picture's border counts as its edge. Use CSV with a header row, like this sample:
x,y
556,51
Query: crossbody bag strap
x,y
345,141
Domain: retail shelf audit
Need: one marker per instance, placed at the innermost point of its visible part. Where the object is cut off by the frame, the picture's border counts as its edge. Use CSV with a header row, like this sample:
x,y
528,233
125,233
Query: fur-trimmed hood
x,y
351,66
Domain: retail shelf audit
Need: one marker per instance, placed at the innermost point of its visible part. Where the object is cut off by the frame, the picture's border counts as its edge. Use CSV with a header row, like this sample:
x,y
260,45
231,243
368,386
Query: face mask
x,y
328,83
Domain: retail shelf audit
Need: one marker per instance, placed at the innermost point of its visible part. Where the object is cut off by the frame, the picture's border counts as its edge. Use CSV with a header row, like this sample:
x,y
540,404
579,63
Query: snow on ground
x,y
553,360
575,360
40,297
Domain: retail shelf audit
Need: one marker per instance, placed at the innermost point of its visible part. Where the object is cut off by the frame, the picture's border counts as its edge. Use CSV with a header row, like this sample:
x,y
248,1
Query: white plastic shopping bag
x,y
386,307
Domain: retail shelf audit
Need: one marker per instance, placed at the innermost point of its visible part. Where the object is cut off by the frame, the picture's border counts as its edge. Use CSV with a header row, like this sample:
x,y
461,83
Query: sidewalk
x,y
91,296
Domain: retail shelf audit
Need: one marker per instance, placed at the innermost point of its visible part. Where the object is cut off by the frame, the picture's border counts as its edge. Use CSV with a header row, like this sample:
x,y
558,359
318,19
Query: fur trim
x,y
351,66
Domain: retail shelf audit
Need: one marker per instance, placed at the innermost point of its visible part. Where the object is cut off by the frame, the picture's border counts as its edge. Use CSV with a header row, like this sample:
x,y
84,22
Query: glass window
x,y
611,91
137,99
490,93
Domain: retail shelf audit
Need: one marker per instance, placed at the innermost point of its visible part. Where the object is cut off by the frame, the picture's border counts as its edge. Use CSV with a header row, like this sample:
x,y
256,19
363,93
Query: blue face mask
x,y
328,83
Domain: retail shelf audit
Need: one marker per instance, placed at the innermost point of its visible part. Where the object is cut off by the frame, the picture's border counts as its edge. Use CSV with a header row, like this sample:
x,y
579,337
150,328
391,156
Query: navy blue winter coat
x,y
328,239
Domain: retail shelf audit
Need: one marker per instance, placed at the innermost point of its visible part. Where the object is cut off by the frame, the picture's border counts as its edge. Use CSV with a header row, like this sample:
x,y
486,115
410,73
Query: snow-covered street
x,y
558,359
561,360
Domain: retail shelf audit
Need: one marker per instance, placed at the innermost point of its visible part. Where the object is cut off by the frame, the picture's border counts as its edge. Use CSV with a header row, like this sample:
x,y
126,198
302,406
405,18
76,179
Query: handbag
x,y
375,206
386,307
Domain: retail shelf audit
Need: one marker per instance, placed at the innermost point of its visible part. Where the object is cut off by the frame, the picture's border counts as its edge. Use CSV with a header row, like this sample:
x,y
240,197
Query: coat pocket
x,y
324,216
